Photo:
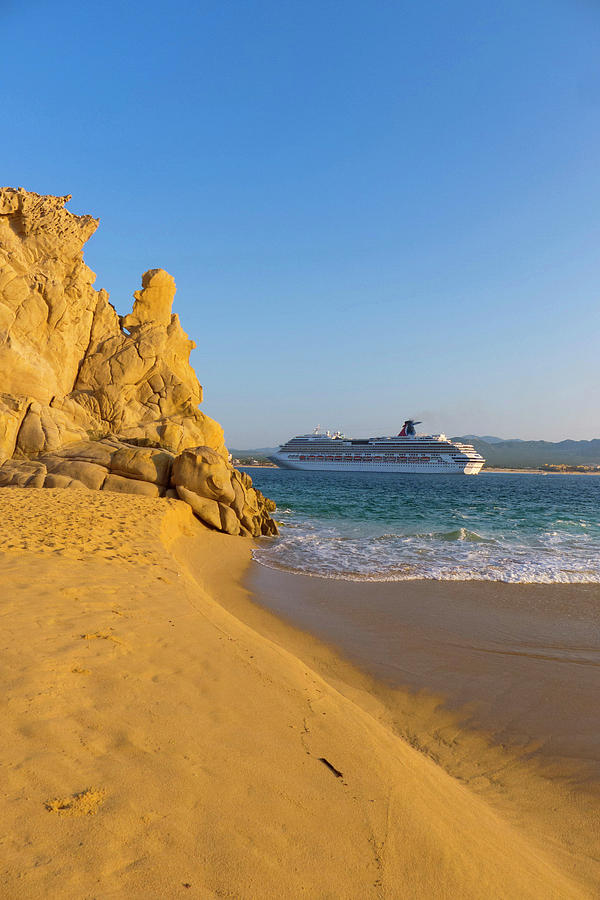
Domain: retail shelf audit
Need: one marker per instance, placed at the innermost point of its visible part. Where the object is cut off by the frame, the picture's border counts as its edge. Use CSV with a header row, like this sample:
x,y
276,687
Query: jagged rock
x,y
93,401
153,303
47,301
22,474
62,344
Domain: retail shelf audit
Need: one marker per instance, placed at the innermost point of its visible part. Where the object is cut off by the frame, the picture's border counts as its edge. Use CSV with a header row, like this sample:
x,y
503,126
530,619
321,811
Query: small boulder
x,y
206,510
22,473
63,481
121,485
230,523
204,472
89,474
144,463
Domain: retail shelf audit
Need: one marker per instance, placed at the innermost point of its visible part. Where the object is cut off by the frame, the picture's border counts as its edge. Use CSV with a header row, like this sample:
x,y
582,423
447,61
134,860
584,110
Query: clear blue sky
x,y
371,209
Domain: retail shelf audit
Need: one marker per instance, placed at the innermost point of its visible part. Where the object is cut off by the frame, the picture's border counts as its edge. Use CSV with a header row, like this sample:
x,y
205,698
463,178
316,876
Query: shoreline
x,y
165,733
491,651
498,471
420,579
546,791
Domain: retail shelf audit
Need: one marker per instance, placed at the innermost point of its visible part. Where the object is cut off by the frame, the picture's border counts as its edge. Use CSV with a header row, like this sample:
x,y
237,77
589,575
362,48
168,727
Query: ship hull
x,y
443,467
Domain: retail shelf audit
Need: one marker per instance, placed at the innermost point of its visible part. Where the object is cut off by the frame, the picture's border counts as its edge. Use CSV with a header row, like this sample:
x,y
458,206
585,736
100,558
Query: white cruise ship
x,y
408,452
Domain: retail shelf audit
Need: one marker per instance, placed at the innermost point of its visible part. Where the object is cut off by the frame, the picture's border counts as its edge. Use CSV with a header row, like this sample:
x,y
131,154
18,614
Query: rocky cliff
x,y
91,400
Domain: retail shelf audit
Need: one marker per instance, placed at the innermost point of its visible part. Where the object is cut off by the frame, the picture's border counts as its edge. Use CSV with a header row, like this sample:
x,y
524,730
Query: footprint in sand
x,y
85,803
100,636
73,593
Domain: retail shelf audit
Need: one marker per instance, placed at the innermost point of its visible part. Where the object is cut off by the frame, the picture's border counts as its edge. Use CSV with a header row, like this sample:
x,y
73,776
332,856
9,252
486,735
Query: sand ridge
x,y
217,762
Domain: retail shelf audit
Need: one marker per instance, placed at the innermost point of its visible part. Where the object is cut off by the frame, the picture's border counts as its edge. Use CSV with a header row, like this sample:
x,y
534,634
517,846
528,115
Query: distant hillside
x,y
488,438
531,454
256,453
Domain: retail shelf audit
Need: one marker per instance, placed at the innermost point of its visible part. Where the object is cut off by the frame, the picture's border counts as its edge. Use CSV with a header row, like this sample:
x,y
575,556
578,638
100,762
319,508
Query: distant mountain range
x,y
531,454
487,438
514,453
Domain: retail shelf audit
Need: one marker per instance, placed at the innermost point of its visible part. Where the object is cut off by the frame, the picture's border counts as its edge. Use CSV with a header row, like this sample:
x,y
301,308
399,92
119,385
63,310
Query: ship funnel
x,y
408,429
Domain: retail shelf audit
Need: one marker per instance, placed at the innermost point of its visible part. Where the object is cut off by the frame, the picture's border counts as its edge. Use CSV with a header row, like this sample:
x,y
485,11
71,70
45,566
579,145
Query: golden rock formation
x,y
94,401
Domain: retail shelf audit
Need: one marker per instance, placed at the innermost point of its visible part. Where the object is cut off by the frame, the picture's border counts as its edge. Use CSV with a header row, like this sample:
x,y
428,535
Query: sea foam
x,y
366,527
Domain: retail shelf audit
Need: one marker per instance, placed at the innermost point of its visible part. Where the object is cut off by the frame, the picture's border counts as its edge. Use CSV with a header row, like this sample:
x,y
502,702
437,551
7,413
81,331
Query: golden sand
x,y
163,737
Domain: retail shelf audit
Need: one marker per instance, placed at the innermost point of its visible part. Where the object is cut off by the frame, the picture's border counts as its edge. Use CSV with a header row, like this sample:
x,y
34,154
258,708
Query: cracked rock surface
x,y
93,401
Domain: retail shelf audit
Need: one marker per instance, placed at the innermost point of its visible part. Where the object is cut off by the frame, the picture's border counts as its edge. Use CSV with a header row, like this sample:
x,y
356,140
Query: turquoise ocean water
x,y
385,527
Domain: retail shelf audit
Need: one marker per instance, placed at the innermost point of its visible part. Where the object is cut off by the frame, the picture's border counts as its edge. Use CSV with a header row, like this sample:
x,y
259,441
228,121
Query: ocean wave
x,y
378,529
508,575
456,555
456,534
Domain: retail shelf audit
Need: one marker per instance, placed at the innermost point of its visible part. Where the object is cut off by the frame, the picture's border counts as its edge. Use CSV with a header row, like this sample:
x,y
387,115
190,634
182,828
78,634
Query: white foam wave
x,y
510,575
456,555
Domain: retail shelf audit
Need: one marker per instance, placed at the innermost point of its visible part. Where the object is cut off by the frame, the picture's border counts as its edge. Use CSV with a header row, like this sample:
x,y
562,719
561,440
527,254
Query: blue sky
x,y
371,209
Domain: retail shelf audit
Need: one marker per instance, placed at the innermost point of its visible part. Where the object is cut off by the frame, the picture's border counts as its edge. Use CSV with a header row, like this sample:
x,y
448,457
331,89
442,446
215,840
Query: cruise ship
x,y
407,452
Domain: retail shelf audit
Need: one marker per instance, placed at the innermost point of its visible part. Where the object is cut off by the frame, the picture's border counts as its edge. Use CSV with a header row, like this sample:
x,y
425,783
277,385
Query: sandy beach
x,y
165,735
519,661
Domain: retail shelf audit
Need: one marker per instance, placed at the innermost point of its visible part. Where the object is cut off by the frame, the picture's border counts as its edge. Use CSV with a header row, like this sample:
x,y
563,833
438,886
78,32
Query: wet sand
x,y
521,662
